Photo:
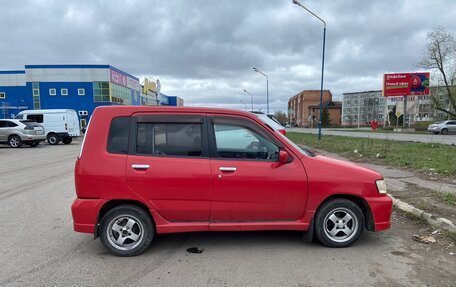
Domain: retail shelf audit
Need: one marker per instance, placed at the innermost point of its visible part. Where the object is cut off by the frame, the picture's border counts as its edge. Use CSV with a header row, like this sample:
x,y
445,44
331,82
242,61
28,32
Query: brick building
x,y
299,112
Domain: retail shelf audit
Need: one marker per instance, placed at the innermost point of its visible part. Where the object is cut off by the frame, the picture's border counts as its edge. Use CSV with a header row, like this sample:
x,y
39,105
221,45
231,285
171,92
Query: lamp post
x,y
267,88
250,96
245,105
322,64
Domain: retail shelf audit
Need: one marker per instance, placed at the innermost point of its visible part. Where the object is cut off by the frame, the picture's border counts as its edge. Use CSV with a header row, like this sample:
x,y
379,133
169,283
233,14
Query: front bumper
x,y
381,208
85,214
433,129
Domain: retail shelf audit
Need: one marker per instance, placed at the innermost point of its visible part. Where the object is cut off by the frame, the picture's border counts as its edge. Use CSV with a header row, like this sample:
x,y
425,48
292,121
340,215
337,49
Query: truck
x,y
59,124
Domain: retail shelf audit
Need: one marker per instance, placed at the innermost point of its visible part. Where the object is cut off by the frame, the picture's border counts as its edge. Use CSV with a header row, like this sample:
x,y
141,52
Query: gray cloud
x,y
203,51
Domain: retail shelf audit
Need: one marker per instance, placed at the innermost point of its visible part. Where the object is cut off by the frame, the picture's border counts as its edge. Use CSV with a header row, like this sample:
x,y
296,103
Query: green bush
x,y
422,126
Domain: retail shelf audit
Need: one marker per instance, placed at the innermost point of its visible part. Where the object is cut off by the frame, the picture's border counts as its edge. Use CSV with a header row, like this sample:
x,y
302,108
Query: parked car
x,y
271,121
144,171
17,132
444,127
60,124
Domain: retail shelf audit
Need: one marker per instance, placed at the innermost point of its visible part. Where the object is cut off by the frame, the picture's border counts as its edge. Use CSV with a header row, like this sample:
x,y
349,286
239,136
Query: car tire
x,y
67,140
339,223
444,131
126,230
14,141
53,139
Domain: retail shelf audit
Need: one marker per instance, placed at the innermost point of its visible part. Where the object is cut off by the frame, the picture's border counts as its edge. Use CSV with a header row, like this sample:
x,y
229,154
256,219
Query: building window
x,y
2,95
36,95
120,95
81,92
64,92
101,92
52,92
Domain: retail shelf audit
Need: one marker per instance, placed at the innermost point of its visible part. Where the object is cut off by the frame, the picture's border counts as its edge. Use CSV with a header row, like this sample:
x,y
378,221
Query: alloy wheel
x,y
340,225
125,232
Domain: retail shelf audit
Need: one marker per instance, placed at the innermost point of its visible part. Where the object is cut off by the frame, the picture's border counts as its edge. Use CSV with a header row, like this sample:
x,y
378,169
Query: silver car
x,y
18,132
444,127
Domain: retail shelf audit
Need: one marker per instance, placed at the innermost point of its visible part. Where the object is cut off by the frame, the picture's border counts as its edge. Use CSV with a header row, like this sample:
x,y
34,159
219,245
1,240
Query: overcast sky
x,y
204,51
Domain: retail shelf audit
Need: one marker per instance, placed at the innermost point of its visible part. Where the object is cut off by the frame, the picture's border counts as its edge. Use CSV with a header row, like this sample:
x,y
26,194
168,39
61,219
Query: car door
x,y
248,185
168,165
4,130
451,127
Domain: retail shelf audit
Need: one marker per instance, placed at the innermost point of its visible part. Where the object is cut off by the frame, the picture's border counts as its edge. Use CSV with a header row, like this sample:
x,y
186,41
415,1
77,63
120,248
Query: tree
x,y
325,118
440,55
281,117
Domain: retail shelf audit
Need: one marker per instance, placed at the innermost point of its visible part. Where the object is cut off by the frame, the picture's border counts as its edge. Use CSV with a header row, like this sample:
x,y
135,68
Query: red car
x,y
144,171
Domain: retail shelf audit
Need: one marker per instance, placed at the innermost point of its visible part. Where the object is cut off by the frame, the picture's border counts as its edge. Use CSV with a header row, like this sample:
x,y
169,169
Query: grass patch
x,y
423,157
449,198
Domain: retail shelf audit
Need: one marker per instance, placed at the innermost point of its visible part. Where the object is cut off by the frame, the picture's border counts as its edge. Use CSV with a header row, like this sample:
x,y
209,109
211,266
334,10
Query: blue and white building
x,y
78,87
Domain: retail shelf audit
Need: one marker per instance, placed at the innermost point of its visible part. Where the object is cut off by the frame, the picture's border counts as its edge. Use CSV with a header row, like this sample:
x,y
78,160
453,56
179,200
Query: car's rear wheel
x,y
67,140
339,223
126,230
444,131
53,139
15,141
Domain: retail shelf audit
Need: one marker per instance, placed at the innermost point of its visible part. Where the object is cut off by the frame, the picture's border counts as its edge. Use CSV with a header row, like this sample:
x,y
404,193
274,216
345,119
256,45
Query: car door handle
x,y
140,166
227,169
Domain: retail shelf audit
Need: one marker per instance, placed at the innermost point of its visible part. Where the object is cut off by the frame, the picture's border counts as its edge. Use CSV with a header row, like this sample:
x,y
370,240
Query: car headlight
x,y
381,186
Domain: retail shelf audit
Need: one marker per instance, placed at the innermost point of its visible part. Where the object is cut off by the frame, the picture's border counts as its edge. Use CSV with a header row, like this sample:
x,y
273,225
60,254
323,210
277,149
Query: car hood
x,y
339,169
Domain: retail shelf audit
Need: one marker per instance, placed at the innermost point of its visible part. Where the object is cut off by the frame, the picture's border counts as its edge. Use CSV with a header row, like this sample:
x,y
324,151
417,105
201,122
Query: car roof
x,y
48,111
12,120
174,109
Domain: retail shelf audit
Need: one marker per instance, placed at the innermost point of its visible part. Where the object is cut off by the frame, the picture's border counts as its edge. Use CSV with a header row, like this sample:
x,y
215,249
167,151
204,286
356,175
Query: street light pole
x,y
267,88
250,96
322,64
245,105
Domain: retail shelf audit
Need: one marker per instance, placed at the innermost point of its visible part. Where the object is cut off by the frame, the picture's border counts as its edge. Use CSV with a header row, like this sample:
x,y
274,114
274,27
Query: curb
x,y
441,222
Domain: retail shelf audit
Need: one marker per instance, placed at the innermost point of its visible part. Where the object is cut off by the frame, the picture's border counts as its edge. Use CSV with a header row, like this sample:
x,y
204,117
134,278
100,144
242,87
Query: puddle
x,y
195,250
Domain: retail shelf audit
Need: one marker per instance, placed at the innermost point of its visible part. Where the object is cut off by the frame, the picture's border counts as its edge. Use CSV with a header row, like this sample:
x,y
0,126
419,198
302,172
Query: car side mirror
x,y
283,157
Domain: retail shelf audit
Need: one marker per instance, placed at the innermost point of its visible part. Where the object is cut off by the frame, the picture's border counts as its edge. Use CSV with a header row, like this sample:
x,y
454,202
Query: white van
x,y
59,124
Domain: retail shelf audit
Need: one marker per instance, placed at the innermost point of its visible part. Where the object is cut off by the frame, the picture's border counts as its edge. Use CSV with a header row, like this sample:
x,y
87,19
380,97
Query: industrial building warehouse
x,y
78,87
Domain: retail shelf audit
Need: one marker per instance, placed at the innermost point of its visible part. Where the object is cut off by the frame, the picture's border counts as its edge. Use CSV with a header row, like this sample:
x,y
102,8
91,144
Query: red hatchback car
x,y
144,171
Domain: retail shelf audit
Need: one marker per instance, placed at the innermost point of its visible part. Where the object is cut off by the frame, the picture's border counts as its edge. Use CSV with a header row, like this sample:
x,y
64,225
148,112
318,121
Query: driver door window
x,y
239,142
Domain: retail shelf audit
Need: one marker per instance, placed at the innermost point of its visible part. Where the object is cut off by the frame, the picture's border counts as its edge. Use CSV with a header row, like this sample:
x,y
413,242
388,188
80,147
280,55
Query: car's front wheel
x,y
15,141
126,230
444,131
339,223
53,139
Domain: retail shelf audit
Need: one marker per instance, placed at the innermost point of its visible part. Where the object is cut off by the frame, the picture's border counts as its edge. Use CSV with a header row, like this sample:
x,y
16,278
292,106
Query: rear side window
x,y
35,118
172,139
118,135
30,124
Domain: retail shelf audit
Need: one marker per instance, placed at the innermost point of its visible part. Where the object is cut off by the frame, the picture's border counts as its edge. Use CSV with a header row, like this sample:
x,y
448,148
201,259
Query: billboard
x,y
118,78
405,84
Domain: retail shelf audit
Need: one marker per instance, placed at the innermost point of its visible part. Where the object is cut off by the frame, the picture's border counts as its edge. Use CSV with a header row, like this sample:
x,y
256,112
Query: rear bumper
x,y
33,138
381,208
85,214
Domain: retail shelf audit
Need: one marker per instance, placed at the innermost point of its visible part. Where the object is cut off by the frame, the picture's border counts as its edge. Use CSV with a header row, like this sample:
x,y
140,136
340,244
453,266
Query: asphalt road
x,y
425,138
39,248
